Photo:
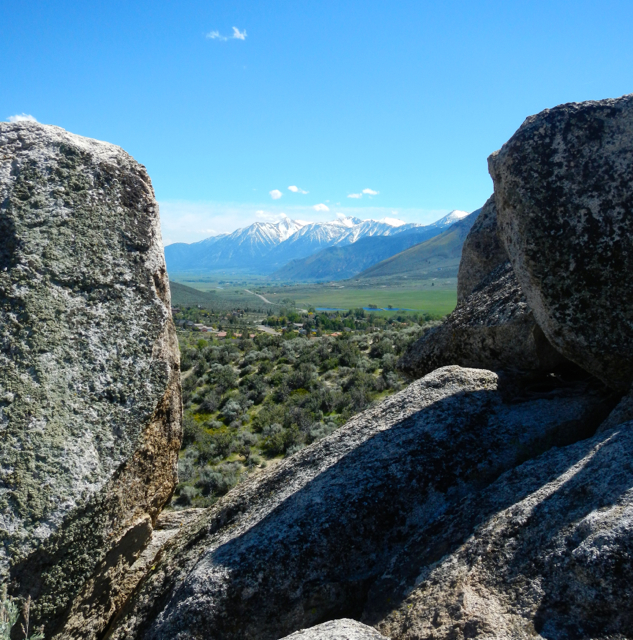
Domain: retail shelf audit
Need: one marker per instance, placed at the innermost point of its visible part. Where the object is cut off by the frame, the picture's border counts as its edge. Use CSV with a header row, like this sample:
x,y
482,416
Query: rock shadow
x,y
8,239
315,556
586,590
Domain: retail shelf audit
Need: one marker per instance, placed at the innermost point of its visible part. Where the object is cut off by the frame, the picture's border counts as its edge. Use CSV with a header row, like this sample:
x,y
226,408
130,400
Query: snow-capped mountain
x,y
266,246
449,219
343,261
312,238
242,249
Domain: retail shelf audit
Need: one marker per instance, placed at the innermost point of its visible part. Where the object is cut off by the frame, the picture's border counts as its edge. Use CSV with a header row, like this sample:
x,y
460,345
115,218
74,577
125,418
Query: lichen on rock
x,y
550,554
90,406
493,328
482,252
564,199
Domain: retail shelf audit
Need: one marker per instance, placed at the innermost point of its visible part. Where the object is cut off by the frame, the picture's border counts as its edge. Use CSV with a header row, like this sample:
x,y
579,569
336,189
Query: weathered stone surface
x,y
493,328
344,629
482,252
551,555
564,198
623,412
303,542
90,405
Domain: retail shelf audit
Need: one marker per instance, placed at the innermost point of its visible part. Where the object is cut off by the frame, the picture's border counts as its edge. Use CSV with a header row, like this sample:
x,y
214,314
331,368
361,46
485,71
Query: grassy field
x,y
217,300
434,302
436,297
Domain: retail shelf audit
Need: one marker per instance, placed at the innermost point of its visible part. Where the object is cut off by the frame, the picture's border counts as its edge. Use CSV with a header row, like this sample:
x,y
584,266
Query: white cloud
x,y
22,117
215,35
371,192
355,195
296,189
275,194
321,207
237,35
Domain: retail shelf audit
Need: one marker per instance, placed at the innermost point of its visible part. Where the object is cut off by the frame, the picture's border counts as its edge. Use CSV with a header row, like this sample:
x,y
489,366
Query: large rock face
x,y
304,542
551,555
564,198
482,252
90,405
493,328
344,629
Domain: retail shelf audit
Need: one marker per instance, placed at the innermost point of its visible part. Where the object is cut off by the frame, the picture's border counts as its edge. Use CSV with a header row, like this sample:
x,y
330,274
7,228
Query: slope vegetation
x,y
439,255
342,262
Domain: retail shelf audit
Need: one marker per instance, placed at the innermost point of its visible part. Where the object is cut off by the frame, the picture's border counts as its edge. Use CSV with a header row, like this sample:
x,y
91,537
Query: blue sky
x,y
406,99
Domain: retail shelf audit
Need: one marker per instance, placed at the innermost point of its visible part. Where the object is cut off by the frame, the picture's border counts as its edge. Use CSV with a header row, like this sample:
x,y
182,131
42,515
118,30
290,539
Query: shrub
x,y
225,379
232,410
186,466
216,446
213,482
302,377
388,362
210,403
186,494
379,349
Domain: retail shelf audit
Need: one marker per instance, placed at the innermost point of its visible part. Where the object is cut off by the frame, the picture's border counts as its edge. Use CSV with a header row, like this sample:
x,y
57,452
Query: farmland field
x,y
436,297
440,302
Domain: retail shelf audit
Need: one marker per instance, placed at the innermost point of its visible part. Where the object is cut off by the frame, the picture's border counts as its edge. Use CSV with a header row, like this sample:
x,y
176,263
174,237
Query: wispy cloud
x,y
237,35
321,207
296,189
22,117
275,194
367,192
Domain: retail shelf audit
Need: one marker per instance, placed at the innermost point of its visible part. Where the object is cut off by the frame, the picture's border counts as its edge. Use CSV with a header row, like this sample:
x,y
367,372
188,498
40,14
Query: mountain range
x,y
438,256
347,244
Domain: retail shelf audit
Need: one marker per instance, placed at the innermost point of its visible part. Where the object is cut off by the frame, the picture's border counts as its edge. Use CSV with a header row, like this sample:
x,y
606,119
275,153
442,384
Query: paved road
x,y
260,296
265,329
267,301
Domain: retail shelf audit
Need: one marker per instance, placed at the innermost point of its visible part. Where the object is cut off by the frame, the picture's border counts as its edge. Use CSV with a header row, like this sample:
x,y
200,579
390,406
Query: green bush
x,y
191,430
218,480
277,394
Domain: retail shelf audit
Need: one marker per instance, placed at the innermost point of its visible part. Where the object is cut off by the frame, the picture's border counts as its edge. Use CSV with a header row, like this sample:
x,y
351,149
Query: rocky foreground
x,y
90,405
492,498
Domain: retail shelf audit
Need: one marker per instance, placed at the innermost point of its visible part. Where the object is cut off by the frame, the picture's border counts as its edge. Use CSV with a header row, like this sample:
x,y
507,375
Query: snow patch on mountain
x,y
394,222
266,246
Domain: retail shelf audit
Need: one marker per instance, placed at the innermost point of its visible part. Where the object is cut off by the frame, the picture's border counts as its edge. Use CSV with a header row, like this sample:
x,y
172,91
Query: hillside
x,y
439,256
218,301
342,262
263,247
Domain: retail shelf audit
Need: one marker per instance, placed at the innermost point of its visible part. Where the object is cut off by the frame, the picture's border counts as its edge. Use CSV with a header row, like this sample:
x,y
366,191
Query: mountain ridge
x,y
265,246
439,253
